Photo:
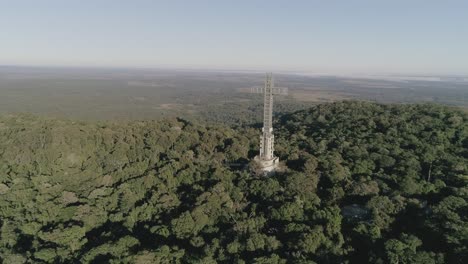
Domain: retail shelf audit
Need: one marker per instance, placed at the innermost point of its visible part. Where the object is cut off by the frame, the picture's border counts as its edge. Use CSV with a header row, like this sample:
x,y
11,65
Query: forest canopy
x,y
363,183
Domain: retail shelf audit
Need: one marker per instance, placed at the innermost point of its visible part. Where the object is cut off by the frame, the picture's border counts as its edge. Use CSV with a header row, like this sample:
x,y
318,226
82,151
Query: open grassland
x,y
152,94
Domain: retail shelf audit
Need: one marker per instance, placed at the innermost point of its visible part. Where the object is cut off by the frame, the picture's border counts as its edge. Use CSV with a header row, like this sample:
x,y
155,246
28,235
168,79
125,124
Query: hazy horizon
x,y
220,69
356,37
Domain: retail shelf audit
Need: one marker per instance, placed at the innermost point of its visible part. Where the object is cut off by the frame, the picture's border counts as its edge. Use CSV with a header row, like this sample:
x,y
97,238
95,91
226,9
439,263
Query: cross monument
x,y
266,159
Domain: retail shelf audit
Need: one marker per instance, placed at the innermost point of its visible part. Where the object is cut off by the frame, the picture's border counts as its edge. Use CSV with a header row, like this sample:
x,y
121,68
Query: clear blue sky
x,y
391,36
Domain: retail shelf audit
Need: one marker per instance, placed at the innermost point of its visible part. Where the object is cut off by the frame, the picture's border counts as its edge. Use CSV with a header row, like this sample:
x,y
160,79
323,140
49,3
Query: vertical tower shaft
x,y
268,104
267,161
267,139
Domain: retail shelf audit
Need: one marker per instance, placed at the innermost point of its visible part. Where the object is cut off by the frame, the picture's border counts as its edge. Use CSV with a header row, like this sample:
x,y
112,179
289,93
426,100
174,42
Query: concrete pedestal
x,y
267,166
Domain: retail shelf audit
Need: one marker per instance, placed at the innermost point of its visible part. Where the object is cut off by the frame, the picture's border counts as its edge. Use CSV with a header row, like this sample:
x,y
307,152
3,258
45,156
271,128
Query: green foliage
x,y
365,183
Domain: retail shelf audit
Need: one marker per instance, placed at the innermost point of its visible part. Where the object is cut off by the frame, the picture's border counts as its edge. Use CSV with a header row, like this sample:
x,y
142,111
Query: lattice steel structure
x,y
266,159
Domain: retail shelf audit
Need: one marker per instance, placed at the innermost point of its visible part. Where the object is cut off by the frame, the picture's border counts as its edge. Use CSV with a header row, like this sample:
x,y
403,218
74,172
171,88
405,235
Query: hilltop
x,y
364,183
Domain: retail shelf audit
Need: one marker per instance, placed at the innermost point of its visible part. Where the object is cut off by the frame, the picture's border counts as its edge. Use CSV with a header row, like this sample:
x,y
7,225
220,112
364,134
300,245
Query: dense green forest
x,y
364,183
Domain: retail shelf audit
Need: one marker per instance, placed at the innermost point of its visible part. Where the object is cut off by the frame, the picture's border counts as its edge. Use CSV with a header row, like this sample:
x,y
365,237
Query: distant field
x,y
319,96
149,94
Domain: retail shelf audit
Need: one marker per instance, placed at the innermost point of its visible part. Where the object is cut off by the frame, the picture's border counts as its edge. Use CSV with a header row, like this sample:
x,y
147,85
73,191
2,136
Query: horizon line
x,y
239,69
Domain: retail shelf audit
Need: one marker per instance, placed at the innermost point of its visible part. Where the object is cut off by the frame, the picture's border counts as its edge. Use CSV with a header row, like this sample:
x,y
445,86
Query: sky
x,y
348,36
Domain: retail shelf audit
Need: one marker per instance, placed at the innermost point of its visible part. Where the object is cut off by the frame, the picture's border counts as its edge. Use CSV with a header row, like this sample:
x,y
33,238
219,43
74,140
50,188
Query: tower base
x,y
267,166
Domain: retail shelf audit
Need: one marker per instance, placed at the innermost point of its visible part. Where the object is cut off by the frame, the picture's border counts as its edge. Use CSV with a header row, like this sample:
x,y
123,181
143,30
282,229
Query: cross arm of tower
x,y
257,89
274,90
279,90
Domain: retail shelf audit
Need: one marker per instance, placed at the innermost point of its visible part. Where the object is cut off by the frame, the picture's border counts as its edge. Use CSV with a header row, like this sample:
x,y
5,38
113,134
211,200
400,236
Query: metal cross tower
x,y
267,160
